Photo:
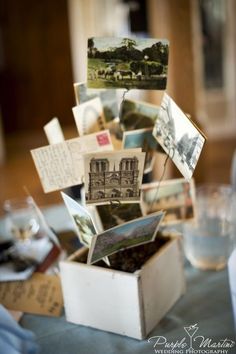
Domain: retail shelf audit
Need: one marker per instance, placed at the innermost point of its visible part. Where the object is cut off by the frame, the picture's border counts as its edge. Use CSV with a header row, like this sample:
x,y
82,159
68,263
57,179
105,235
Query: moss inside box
x,y
131,259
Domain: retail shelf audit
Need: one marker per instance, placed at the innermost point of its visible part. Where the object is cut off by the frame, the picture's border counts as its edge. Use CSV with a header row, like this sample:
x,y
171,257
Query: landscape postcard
x,y
130,234
82,220
176,197
142,138
137,115
127,63
179,136
113,215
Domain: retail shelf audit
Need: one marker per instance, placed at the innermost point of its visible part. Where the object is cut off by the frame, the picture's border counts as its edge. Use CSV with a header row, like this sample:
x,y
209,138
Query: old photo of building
x,y
175,196
113,177
178,136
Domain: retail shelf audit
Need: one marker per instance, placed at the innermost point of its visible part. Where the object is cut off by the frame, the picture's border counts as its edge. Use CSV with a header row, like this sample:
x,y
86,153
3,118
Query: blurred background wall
x,y
43,51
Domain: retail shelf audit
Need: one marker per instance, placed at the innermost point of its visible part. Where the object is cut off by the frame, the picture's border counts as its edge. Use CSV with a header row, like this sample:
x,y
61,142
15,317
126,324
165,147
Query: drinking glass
x,y
22,221
209,242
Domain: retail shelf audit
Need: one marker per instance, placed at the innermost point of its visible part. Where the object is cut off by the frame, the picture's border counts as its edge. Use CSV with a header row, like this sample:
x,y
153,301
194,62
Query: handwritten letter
x,y
61,165
41,294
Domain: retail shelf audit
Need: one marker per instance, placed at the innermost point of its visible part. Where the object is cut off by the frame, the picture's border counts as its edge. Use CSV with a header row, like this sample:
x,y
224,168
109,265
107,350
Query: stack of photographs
x,y
119,209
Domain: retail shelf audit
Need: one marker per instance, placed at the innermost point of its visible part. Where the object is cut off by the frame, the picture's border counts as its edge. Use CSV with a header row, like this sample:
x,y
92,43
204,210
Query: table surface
x,y
206,303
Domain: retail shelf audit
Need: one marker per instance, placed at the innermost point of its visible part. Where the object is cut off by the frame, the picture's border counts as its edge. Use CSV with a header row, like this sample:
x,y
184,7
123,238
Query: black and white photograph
x,y
175,196
127,63
130,234
179,137
113,178
89,117
107,97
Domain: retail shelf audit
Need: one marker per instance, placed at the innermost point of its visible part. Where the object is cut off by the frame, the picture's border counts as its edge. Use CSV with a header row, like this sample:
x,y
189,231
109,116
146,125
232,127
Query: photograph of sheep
x,y
127,63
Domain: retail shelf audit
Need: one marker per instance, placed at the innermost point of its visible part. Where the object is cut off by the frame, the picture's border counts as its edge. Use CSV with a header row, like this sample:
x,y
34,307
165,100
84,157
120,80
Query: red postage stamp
x,y
103,139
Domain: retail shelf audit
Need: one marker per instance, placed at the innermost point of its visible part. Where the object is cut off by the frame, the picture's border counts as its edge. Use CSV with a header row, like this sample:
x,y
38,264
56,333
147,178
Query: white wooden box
x,y
130,304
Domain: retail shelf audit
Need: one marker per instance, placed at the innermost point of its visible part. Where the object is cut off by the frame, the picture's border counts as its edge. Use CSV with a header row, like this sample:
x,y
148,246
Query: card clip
x,y
121,104
160,180
114,204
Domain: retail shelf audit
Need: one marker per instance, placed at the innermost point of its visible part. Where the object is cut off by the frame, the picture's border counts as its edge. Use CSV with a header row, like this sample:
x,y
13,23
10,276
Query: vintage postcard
x,y
113,215
82,220
53,131
142,138
41,294
113,178
107,97
127,63
89,117
130,234
137,115
179,137
176,197
61,165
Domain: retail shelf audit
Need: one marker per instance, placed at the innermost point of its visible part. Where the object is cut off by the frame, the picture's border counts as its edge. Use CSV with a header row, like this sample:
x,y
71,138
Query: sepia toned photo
x,y
176,197
178,136
130,234
107,97
127,63
82,220
113,177
142,138
113,215
89,117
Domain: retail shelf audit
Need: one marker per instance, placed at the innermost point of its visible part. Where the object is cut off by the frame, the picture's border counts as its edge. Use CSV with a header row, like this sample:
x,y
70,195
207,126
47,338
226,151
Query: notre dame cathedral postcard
x,y
114,178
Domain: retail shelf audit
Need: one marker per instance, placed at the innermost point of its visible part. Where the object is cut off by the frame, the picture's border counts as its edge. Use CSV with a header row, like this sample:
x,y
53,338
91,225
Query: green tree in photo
x,y
90,47
128,43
